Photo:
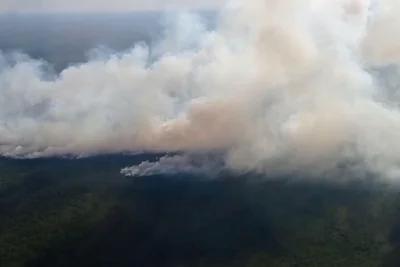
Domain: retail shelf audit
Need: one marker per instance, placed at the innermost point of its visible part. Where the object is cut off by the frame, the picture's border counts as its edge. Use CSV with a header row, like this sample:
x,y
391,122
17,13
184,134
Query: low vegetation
x,y
84,213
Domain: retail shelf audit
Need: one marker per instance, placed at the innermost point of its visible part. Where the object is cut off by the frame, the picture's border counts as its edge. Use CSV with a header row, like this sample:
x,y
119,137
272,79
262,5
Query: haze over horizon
x,y
50,6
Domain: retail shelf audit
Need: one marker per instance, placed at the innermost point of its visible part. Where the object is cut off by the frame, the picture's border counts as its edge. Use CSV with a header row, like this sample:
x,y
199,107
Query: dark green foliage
x,y
84,213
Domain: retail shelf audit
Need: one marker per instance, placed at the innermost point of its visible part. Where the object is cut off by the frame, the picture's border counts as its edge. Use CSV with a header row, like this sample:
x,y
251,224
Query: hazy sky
x,y
102,5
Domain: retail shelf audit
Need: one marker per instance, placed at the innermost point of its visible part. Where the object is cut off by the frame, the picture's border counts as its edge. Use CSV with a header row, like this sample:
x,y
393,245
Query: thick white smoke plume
x,y
280,86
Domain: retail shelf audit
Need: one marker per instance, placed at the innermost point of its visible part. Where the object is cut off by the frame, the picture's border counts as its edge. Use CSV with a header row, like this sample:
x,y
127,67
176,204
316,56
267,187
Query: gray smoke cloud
x,y
279,87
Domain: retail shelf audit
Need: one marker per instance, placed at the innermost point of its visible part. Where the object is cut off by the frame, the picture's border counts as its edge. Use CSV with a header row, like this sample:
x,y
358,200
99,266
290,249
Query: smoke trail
x,y
279,87
204,165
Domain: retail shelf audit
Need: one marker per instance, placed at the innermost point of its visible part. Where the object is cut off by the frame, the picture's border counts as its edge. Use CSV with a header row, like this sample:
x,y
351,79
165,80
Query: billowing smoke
x,y
280,86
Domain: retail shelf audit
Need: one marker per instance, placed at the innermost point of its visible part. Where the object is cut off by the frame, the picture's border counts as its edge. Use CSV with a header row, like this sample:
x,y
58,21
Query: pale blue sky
x,y
103,5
